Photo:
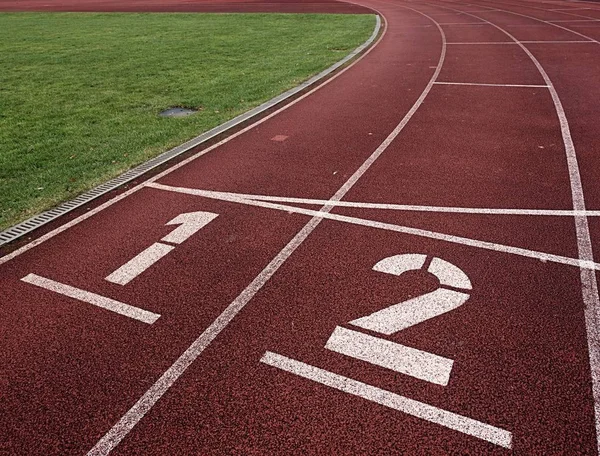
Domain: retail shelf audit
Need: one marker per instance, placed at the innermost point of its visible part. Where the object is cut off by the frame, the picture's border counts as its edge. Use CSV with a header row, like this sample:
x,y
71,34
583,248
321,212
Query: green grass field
x,y
80,93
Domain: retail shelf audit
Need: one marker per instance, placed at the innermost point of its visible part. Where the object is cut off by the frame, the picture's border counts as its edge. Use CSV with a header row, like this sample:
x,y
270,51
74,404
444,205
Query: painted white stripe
x,y
400,207
558,42
490,85
463,23
385,226
128,421
589,283
92,298
514,43
573,20
552,23
391,355
139,263
570,9
391,400
478,43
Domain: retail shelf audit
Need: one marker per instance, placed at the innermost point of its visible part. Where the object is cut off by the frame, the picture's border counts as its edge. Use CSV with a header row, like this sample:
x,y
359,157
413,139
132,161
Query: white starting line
x,y
121,308
243,199
418,409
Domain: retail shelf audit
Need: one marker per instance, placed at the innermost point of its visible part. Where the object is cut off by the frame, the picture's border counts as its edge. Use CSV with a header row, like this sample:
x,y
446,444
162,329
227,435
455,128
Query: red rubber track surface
x,y
197,6
489,137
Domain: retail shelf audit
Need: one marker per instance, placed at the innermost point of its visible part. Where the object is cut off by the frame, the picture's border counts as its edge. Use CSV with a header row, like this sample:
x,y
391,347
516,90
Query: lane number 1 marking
x,y
190,223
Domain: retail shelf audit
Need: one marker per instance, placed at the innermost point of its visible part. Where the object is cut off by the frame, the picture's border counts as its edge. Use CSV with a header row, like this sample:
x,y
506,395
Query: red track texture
x,y
196,6
523,344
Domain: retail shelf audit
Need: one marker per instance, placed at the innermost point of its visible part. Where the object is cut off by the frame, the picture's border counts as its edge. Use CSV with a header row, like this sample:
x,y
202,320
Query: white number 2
x,y
451,293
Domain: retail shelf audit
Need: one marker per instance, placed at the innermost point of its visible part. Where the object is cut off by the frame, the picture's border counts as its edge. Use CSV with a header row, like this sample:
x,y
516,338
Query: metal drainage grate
x,y
177,112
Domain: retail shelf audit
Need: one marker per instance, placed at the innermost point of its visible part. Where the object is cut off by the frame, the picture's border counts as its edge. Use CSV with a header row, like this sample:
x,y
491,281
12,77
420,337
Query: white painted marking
x,y
476,43
552,23
391,355
571,9
190,224
403,207
526,42
449,274
395,318
490,85
558,42
92,298
412,312
462,23
128,421
573,20
386,226
139,263
391,400
399,264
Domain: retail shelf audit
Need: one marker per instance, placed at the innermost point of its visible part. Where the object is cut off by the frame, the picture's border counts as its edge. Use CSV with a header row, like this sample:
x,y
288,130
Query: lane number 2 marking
x,y
452,292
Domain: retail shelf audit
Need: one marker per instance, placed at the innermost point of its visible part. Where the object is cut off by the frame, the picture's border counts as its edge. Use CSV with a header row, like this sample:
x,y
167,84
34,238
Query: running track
x,y
465,143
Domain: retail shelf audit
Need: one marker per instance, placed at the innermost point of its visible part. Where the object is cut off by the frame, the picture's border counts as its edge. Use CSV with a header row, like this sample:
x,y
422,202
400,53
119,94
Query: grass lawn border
x,y
21,229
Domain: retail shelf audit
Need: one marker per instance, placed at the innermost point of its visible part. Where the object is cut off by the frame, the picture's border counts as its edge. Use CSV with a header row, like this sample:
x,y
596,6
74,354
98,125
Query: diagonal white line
x,y
397,207
385,226
394,401
92,298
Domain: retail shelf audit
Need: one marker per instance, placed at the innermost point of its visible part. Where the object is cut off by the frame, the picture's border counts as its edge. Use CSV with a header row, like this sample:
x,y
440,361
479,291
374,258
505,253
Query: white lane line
x,y
490,85
482,43
589,282
391,400
92,298
465,43
557,42
573,20
571,9
139,263
385,226
176,166
401,207
462,23
552,23
128,421
391,355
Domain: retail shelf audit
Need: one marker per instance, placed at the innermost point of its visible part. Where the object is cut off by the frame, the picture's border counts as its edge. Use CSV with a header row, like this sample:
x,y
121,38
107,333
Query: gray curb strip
x,y
42,219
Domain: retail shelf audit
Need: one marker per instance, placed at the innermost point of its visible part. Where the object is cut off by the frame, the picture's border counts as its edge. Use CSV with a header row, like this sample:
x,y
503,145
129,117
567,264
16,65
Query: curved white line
x,y
589,283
